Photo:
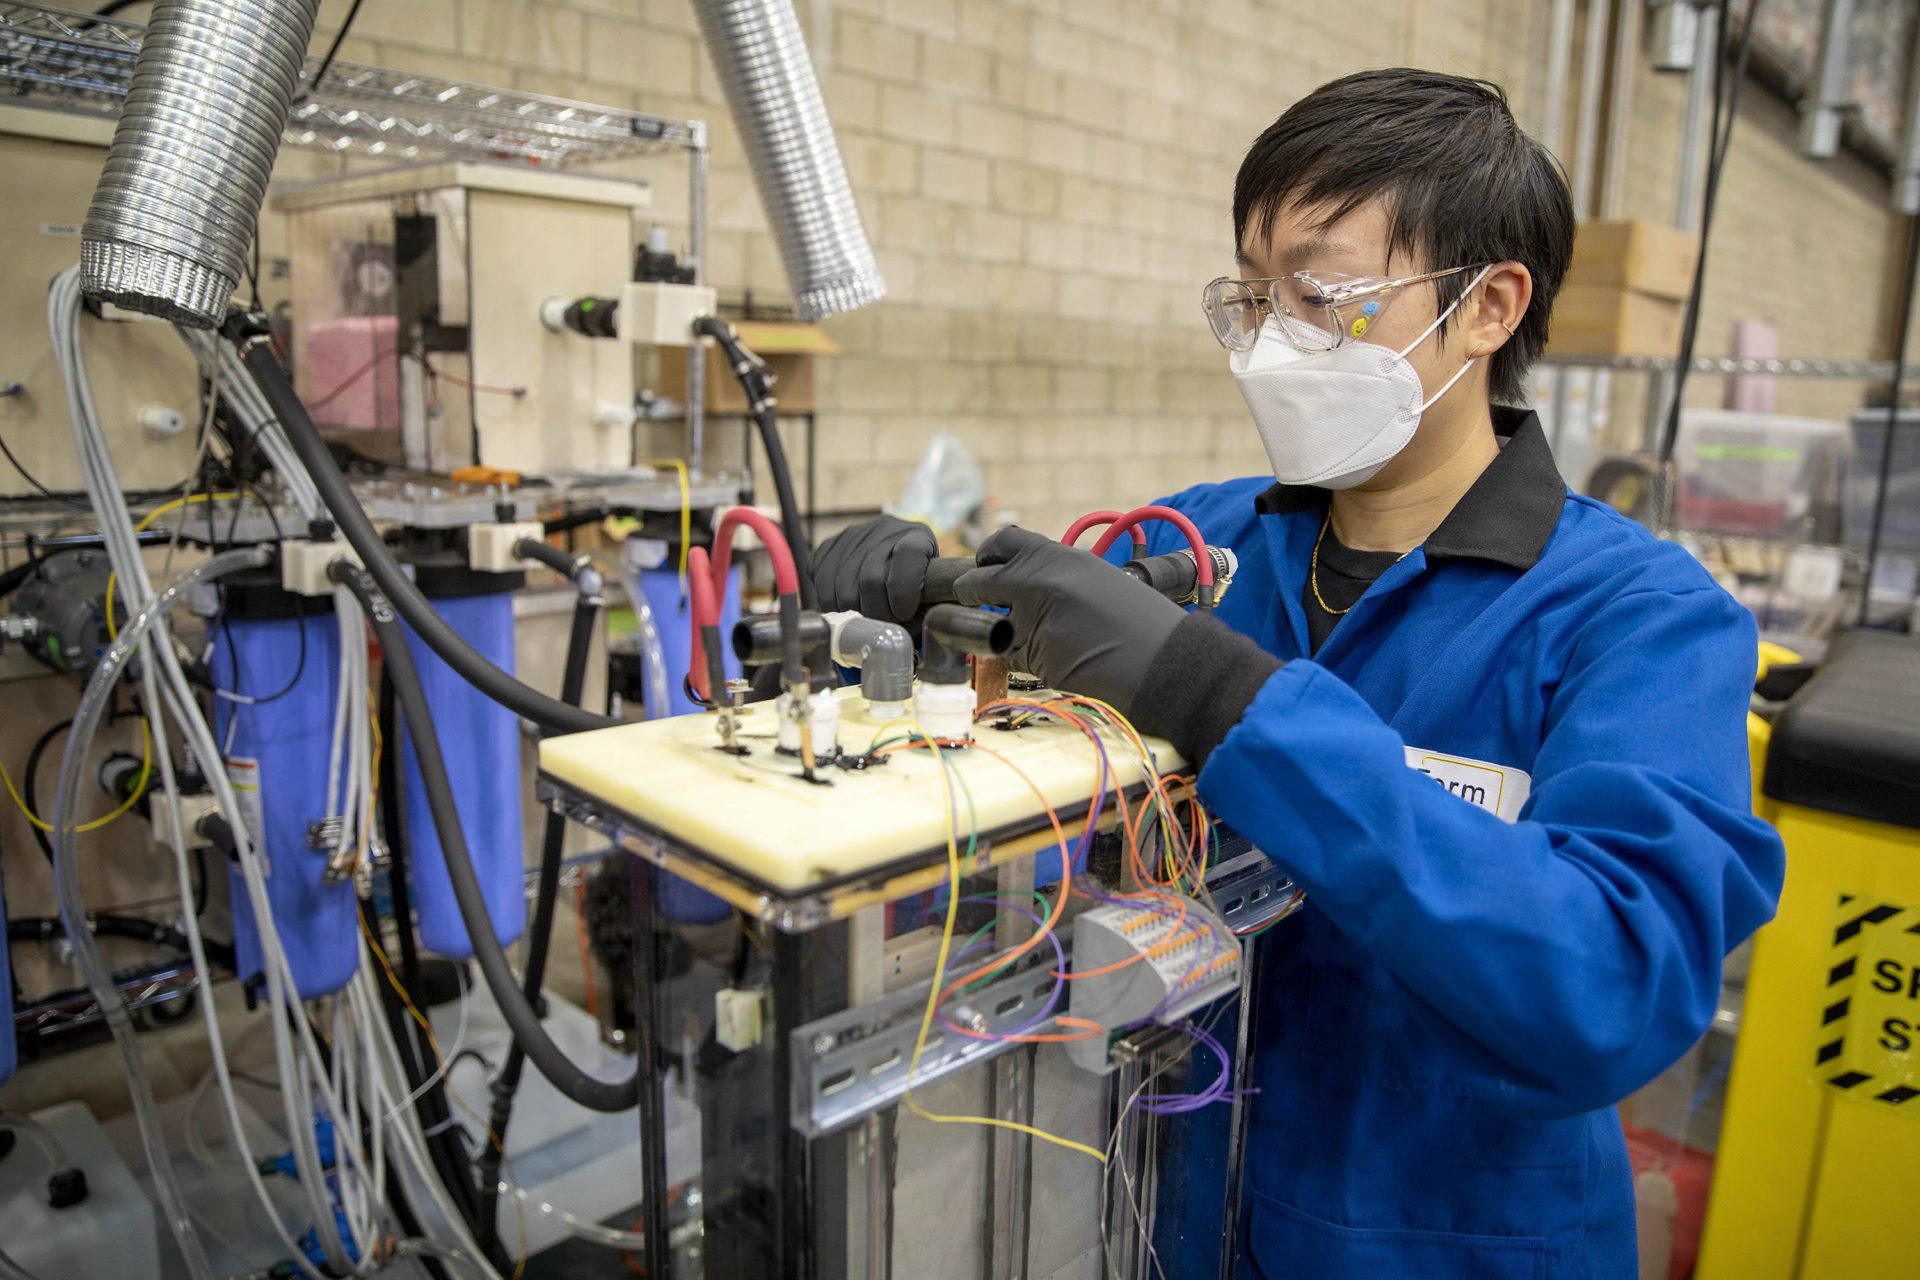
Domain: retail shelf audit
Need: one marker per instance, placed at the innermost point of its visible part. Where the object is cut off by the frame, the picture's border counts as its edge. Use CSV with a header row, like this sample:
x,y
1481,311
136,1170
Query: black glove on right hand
x,y
878,568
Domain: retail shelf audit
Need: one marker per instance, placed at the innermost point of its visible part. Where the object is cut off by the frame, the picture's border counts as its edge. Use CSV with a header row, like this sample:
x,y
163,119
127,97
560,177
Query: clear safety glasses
x,y
1317,310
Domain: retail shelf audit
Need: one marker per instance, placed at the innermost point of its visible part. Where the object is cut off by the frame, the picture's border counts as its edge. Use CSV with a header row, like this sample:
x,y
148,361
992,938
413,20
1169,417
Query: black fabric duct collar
x,y
1506,517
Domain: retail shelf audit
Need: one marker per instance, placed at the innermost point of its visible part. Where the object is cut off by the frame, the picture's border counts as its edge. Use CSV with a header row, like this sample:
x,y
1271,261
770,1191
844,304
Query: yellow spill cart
x,y
1818,1174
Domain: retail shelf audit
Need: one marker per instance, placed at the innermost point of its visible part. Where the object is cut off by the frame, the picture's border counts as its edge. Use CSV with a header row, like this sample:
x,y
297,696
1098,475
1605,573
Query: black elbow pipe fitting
x,y
760,639
952,632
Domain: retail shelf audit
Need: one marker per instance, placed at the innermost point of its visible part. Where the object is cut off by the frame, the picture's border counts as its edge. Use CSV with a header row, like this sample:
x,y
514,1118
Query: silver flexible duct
x,y
770,86
173,216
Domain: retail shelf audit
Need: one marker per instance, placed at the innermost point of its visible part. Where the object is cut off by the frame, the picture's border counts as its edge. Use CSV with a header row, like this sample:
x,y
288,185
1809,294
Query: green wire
x,y
1045,906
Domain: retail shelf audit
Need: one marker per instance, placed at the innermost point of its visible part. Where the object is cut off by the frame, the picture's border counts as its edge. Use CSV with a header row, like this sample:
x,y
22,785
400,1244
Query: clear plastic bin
x,y
1900,526
1761,474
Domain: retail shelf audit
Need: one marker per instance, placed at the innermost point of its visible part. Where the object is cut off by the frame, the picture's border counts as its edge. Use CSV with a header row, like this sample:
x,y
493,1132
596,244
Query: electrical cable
x,y
947,778
386,571
686,512
1885,476
326,63
561,1071
39,824
506,1082
65,500
1726,105
751,373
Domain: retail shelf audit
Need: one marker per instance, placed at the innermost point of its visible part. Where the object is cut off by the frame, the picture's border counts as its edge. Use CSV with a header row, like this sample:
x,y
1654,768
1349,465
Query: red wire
x,y
1092,518
1202,562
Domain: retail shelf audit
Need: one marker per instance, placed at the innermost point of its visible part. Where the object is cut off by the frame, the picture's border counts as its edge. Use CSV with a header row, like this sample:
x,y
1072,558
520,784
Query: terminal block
x,y
1163,959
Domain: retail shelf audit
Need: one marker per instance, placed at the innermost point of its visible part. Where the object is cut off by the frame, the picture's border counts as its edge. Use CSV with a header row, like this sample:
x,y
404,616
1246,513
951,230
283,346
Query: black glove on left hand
x,y
1079,624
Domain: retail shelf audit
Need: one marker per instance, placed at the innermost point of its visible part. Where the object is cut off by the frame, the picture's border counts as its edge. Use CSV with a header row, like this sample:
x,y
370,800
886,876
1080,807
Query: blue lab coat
x,y
1446,1027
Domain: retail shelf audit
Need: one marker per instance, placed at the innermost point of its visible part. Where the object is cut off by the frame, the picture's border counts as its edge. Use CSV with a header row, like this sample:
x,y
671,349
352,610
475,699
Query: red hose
x,y
1202,562
1092,518
707,580
704,609
786,579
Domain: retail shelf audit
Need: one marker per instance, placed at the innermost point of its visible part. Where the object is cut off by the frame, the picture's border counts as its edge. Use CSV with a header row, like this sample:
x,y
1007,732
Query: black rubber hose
x,y
30,778
573,682
307,442
522,1020
445,1143
570,563
151,932
760,407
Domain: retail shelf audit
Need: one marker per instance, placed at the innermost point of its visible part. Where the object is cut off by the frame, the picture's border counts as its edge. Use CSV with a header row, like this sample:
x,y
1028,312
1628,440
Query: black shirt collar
x,y
1506,517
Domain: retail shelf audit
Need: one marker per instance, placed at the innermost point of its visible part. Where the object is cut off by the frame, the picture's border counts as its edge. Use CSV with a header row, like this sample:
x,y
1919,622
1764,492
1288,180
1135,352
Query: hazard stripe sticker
x,y
1867,1023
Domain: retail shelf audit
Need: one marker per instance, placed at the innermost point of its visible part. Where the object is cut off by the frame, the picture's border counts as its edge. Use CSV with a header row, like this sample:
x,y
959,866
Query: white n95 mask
x,y
1334,418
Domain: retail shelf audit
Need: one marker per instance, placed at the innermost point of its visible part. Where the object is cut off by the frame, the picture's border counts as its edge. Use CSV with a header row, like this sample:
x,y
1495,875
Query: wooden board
x,y
757,816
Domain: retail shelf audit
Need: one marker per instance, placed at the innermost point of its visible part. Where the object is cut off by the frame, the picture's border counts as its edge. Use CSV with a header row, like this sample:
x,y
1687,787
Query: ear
x,y
1496,308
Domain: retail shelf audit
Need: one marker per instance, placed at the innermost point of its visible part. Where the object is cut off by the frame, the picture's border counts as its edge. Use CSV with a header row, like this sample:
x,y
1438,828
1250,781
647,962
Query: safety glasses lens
x,y
1234,311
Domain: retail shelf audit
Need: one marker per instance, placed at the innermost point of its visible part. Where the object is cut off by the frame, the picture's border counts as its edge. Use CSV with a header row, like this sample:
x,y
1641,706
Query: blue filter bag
x,y
481,742
673,616
276,758
6,1002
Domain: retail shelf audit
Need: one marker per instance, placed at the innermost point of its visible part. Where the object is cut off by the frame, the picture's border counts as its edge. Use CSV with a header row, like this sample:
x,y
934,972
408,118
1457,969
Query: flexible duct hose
x,y
770,86
175,209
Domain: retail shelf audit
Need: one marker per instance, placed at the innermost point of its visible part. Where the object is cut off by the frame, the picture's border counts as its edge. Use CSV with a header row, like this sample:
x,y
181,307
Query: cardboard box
x,y
1645,256
1608,320
789,350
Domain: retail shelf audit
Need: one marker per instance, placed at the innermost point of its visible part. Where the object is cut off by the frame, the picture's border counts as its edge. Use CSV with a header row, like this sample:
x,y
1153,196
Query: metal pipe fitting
x,y
175,211
775,99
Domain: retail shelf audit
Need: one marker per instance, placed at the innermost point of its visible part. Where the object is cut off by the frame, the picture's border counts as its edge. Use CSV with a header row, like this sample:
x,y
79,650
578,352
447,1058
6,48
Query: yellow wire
x,y
686,512
939,980
133,797
146,522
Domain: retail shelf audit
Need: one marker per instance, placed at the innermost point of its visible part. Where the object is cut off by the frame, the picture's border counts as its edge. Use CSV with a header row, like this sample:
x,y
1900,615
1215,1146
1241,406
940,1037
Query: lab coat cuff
x,y
1200,684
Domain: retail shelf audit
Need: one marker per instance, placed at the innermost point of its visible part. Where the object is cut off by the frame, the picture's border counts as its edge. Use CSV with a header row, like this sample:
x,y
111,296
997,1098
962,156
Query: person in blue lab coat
x,y
1495,729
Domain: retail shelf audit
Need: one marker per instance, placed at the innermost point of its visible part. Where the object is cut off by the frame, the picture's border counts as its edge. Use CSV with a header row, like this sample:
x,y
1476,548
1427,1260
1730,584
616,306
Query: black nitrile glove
x,y
1079,624
878,568
1082,625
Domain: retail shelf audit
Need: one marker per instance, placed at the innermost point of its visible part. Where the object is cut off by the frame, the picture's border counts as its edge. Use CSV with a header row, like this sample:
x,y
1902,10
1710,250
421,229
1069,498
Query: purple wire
x,y
1060,965
1173,1104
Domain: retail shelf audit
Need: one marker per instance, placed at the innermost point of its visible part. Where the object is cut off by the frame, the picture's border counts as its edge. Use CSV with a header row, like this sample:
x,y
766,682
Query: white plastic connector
x,y
737,1019
823,721
662,315
490,546
553,315
945,711
303,565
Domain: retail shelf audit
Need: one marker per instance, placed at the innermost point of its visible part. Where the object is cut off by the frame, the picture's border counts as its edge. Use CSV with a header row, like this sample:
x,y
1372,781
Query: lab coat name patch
x,y
1494,787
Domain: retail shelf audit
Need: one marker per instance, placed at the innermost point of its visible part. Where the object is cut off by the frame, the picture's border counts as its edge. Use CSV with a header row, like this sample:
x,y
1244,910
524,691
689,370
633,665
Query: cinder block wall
x,y
1046,182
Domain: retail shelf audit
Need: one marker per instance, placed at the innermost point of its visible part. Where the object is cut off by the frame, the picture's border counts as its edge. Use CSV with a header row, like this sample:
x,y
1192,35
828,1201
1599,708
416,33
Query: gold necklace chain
x,y
1313,570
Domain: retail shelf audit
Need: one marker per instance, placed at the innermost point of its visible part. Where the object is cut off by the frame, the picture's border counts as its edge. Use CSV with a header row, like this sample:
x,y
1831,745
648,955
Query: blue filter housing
x,y
276,759
481,742
672,616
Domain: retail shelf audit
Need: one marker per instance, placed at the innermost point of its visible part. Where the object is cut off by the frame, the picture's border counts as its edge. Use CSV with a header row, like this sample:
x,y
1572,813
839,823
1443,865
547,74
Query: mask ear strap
x,y
1441,318
1445,387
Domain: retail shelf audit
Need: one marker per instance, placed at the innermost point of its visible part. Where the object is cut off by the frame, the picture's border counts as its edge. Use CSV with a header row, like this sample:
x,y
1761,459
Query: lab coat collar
x,y
1506,517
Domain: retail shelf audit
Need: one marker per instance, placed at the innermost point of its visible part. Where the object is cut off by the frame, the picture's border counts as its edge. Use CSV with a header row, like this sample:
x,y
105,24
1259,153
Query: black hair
x,y
1462,182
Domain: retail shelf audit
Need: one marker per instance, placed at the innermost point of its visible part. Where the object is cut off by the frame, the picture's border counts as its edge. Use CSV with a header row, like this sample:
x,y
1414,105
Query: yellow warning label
x,y
1868,1045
